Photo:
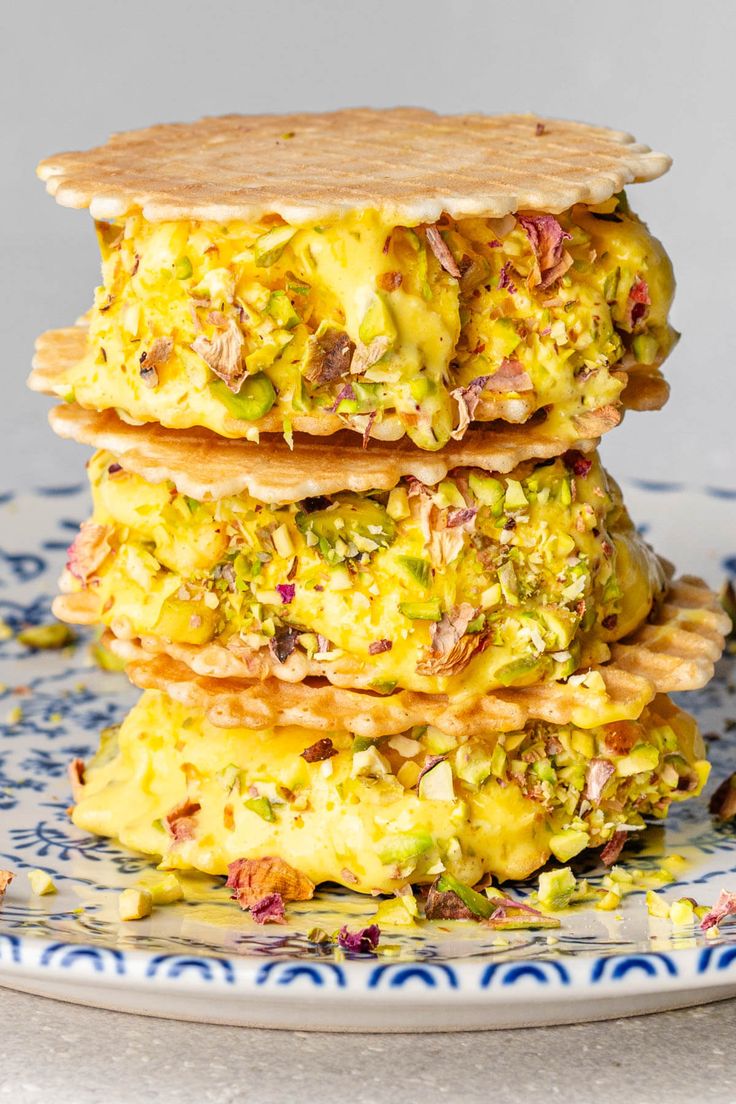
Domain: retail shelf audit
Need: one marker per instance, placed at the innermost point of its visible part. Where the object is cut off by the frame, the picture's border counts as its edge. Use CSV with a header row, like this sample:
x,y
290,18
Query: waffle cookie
x,y
345,378
395,298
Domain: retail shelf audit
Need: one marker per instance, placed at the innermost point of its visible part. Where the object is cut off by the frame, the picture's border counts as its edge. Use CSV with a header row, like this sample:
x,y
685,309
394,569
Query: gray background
x,y
70,73
73,72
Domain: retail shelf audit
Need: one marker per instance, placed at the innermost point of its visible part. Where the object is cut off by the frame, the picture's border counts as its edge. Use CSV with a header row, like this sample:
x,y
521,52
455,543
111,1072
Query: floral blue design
x,y
52,706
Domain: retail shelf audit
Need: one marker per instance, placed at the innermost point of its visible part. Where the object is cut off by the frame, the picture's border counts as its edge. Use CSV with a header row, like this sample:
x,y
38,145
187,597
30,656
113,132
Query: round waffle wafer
x,y
406,162
676,651
206,466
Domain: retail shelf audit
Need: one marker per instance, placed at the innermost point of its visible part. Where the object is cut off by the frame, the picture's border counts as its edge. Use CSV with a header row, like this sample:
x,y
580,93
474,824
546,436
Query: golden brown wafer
x,y
645,388
408,163
230,703
677,650
206,466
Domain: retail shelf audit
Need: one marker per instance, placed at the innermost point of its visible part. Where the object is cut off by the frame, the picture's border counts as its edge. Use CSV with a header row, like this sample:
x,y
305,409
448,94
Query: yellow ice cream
x,y
468,586
170,784
239,326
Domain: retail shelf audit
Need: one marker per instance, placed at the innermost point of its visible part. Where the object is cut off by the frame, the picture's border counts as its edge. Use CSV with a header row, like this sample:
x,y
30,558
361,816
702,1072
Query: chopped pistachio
x,y
682,912
565,845
166,890
656,905
369,762
609,901
556,888
436,784
41,883
401,911
262,807
269,247
46,637
135,904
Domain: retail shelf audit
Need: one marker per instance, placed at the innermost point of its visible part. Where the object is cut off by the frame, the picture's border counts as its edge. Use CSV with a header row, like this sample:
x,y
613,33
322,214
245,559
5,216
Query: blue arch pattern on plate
x,y
10,948
319,974
173,966
507,974
71,956
435,975
653,964
713,959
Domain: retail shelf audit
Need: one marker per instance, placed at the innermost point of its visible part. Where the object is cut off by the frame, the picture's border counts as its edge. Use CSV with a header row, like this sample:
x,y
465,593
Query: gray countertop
x,y
53,1052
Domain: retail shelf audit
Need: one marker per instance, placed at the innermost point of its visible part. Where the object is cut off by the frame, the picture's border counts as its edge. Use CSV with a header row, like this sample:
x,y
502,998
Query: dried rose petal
x,y
598,773
345,392
89,550
510,376
467,399
378,646
504,280
458,515
503,904
363,941
638,303
577,463
223,353
181,822
613,848
546,238
442,252
322,749
269,910
286,591
724,906
254,879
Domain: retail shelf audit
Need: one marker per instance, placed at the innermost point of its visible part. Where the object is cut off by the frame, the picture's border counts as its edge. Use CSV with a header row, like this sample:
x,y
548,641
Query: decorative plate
x,y
202,959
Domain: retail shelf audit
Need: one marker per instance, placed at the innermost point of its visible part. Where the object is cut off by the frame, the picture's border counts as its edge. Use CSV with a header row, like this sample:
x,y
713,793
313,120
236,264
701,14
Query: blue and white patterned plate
x,y
202,959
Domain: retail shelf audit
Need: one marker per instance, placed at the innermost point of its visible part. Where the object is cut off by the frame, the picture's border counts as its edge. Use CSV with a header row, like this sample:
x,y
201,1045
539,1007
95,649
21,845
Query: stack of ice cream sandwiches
x,y
345,376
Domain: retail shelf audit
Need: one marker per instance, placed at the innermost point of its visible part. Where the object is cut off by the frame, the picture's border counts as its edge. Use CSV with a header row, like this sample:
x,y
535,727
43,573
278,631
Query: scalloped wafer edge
x,y
674,652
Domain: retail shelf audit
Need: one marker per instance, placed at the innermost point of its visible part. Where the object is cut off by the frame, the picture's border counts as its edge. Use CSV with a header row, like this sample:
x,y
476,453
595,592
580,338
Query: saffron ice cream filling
x,y
475,584
380,814
388,329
